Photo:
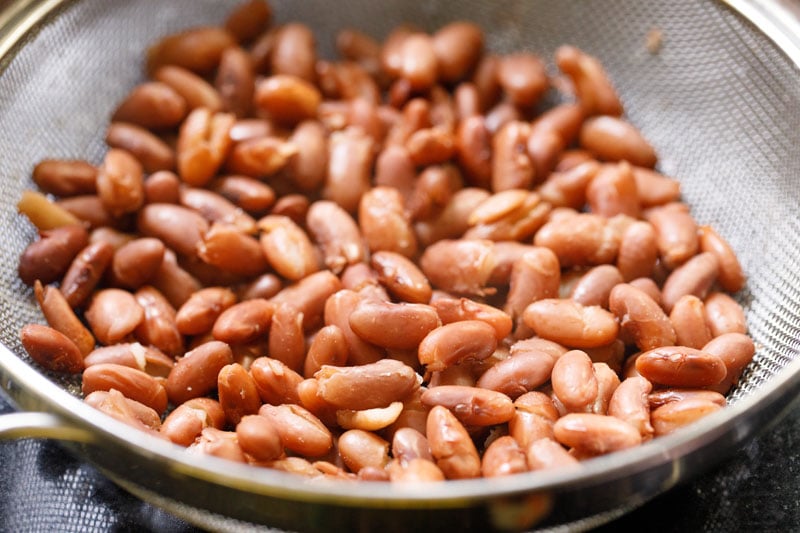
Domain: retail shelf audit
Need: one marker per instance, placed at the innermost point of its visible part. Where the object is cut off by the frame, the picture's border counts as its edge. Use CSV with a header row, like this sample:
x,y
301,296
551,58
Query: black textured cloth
x,y
44,488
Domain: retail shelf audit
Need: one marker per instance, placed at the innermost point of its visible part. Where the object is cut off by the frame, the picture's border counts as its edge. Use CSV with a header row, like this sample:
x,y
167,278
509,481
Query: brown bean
x,y
571,324
195,90
510,215
676,233
113,314
244,322
675,415
518,374
329,347
179,228
544,148
680,366
287,247
595,434
473,145
512,167
152,105
459,266
203,145
433,189
131,412
158,327
218,443
472,406
736,350
286,338
453,220
594,287
731,276
48,258
567,188
120,182
594,90
613,139
409,444
457,46
294,52
137,262
523,78
188,420
458,309
248,194
655,188
533,419
308,166
51,349
335,231
583,239
688,319
235,81
85,272
65,177
503,457
664,396
640,317
630,403
149,359
455,343
574,381
360,449
275,381
248,19
299,430
152,152
132,383
229,249
451,445
197,49
216,208
638,251
195,374
287,99
259,157
198,314
385,222
546,453
393,325
366,386
87,209
724,314
401,277
693,277
613,191
309,296
173,281
350,160
162,187
237,392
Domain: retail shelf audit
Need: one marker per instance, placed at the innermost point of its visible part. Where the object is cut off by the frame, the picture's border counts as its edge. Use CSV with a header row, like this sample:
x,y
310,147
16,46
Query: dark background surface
x,y
44,488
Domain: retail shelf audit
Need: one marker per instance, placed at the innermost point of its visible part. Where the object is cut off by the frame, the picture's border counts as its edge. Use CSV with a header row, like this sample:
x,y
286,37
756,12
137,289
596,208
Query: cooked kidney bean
x,y
305,259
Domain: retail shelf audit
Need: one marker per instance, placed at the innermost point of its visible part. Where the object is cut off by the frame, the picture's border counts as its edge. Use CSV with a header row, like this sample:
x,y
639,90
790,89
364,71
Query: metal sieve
x,y
720,100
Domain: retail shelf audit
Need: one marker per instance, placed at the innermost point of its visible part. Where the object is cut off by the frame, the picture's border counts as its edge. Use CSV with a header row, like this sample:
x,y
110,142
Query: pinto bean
x,y
594,287
473,150
152,152
458,309
259,157
546,453
179,228
360,449
694,277
523,78
594,90
638,251
287,247
132,383
120,182
459,266
731,276
613,191
196,91
630,403
723,314
586,240
574,381
736,351
471,405
366,386
188,420
675,415
457,342
294,52
385,223
287,99
519,373
149,359
113,314
85,272
152,105
258,437
335,231
131,412
503,457
51,349
49,257
613,139
655,188
681,366
676,233
568,322
309,295
299,430
664,396
235,81
640,317
350,161
195,374
286,339
248,194
595,434
393,325
688,319
451,445
203,145
137,262
158,327
197,49
65,177
512,167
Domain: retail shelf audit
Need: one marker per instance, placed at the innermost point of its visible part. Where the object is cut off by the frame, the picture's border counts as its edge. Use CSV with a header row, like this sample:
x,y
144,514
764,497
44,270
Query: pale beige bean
x,y
664,396
724,314
688,318
569,323
520,373
512,167
731,276
630,403
459,266
503,457
640,317
137,262
287,99
613,191
458,309
594,287
736,350
275,381
152,105
51,349
594,90
675,415
350,160
510,215
152,152
360,449
583,239
337,234
471,405
309,296
294,52
286,337
299,430
546,453
201,310
112,315
188,420
680,366
694,277
451,446
244,322
451,344
613,139
366,386
638,251
197,49
120,182
595,434
65,177
287,247
337,312
203,145
393,325
655,188
195,374
146,358
369,419
676,233
385,223
196,91
158,327
179,228
132,383
574,381
259,438
237,393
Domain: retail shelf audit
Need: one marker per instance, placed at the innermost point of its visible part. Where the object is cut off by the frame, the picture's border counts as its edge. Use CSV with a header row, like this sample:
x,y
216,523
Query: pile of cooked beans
x,y
397,265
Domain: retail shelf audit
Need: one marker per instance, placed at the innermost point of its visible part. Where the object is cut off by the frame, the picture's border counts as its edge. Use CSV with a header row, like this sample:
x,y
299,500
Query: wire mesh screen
x,y
717,100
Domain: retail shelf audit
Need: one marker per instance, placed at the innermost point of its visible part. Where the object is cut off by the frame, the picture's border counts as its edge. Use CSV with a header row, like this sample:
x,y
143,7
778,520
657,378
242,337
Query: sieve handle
x,y
42,426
